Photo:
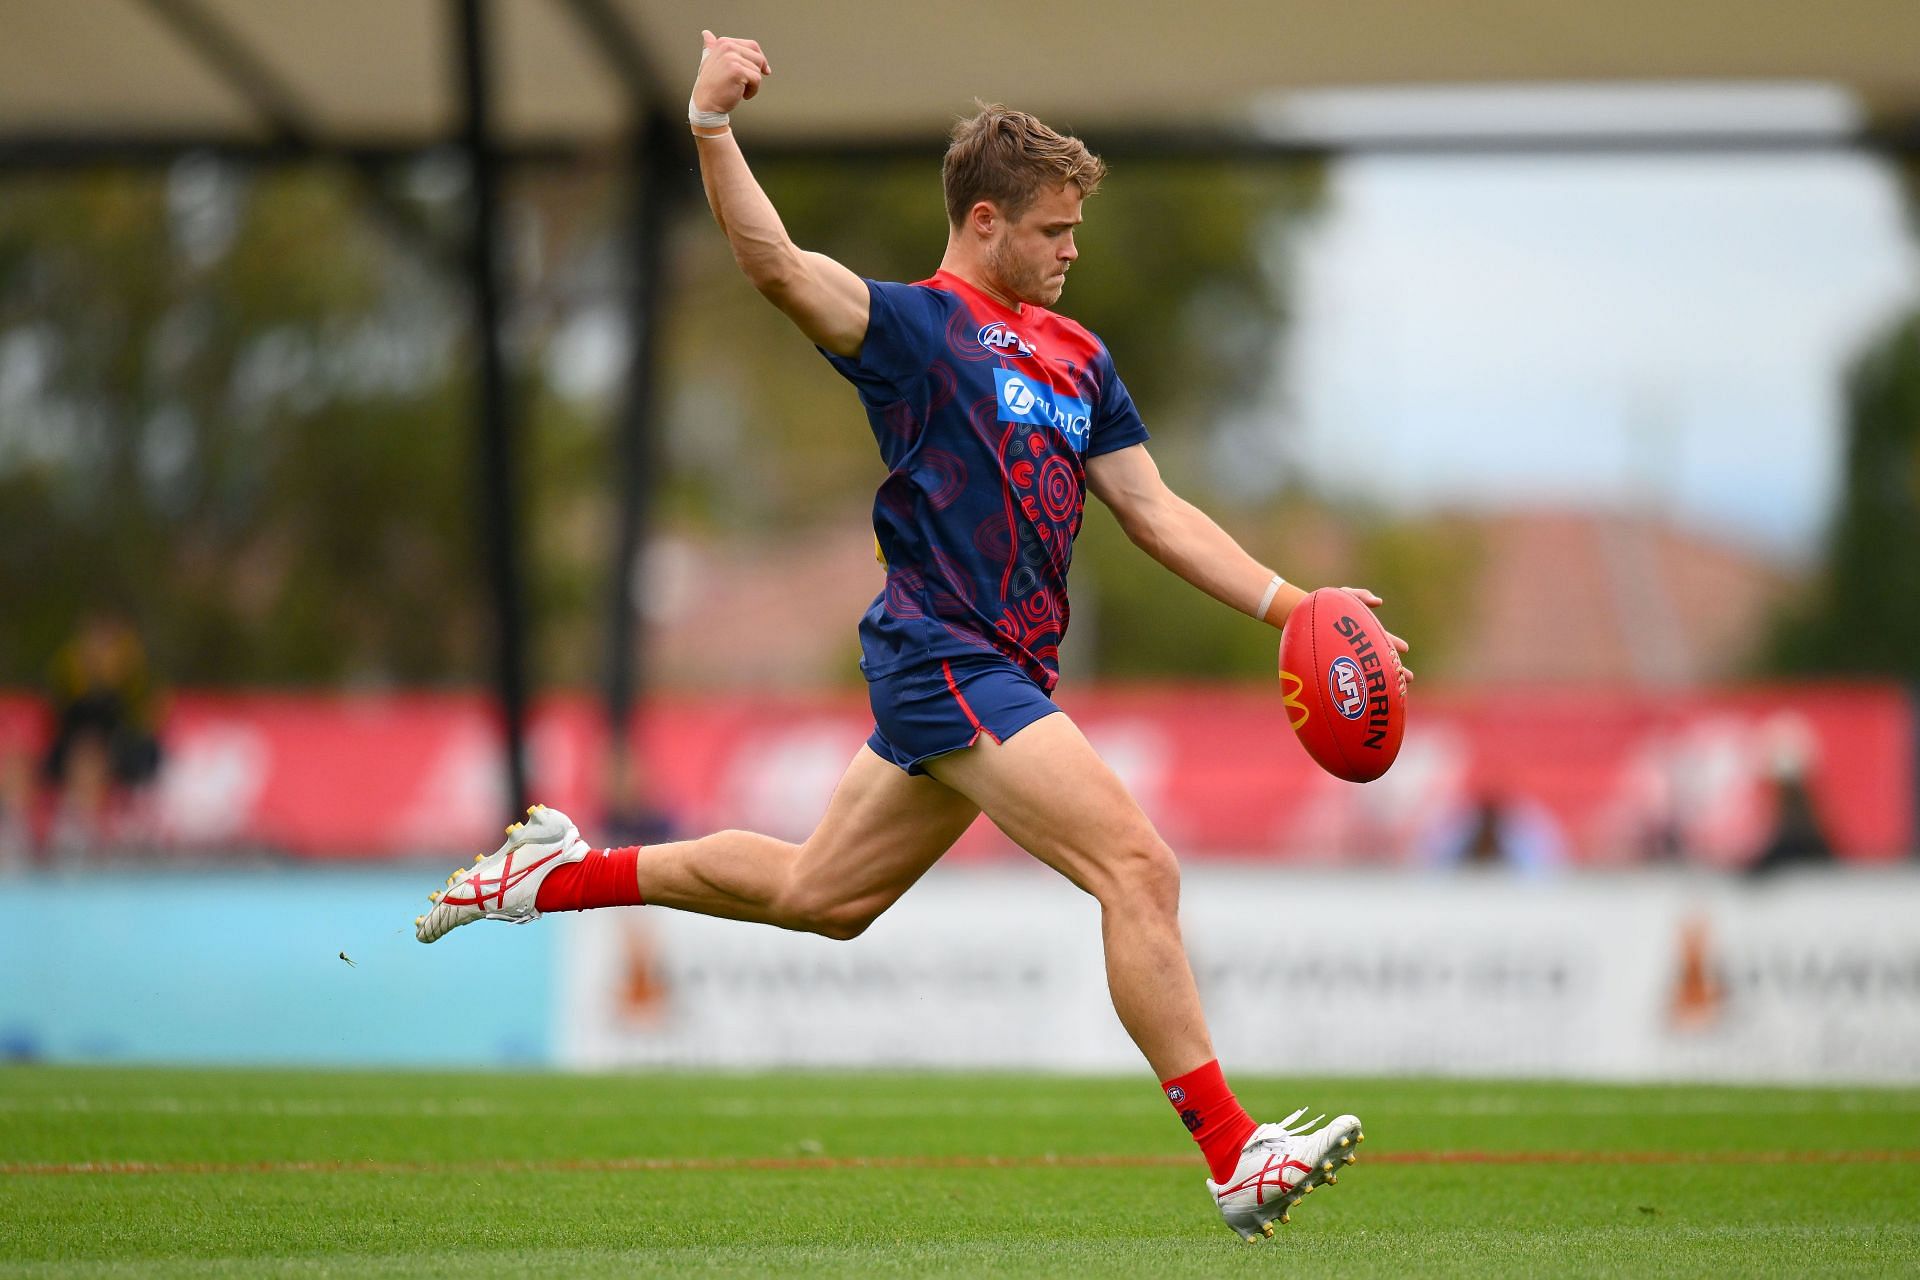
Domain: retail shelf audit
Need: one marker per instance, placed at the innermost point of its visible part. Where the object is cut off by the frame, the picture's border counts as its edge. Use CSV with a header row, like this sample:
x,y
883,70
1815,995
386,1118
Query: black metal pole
x,y
496,510
656,168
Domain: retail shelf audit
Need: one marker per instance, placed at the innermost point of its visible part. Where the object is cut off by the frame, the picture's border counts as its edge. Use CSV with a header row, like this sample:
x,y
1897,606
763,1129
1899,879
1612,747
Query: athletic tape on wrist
x,y
706,119
1266,601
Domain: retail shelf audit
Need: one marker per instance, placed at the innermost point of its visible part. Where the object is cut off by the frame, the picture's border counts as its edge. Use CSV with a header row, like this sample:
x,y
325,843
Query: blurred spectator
x,y
1663,838
16,809
106,745
1496,830
632,817
1796,837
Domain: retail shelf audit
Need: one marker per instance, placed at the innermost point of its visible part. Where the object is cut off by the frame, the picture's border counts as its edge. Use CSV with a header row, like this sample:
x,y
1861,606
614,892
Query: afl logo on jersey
x,y
1002,341
1018,397
1347,687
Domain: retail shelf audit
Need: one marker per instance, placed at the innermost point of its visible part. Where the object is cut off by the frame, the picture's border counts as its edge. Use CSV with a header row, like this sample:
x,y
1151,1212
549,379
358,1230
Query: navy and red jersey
x,y
985,418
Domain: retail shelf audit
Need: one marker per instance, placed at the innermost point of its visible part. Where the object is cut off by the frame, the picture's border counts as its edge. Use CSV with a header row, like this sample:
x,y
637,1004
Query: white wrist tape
x,y
1266,601
706,119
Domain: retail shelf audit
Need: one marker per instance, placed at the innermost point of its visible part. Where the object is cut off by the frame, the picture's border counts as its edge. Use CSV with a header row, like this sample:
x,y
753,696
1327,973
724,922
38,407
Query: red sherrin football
x,y
1340,677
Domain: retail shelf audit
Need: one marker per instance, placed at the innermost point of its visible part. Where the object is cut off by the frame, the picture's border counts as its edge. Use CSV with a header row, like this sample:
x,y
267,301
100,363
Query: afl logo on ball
x,y
1347,688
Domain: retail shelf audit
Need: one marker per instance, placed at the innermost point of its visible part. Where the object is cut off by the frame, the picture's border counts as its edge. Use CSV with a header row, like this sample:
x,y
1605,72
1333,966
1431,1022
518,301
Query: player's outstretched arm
x,y
826,300
1186,540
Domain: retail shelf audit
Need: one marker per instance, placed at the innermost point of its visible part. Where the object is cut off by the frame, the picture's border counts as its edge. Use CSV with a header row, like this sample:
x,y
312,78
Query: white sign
x,y
1627,976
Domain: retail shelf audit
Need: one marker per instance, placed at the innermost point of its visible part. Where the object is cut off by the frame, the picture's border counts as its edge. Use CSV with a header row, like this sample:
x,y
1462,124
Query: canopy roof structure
x,y
570,74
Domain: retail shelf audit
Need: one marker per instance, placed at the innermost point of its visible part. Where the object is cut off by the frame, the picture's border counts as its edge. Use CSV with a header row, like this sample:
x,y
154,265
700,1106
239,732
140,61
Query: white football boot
x,y
1280,1166
503,884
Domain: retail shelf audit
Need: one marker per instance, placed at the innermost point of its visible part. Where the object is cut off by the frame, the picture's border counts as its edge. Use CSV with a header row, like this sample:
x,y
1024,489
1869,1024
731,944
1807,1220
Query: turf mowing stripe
x,y
803,1163
919,1108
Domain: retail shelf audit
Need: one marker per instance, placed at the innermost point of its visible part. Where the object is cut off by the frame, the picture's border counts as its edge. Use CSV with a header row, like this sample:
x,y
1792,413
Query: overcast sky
x,y
1659,331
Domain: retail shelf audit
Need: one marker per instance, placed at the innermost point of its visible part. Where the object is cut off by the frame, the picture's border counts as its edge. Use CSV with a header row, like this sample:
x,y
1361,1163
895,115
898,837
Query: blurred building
x,y
1546,596
1605,598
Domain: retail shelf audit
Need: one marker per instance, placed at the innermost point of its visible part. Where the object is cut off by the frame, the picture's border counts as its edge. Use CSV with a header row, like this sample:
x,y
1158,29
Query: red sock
x,y
604,878
1212,1115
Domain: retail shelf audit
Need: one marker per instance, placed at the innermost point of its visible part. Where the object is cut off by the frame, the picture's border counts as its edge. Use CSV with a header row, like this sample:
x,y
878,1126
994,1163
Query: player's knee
x,y
810,910
1145,874
844,923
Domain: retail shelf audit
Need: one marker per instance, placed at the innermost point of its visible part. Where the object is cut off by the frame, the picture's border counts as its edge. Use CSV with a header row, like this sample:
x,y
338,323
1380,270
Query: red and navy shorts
x,y
924,711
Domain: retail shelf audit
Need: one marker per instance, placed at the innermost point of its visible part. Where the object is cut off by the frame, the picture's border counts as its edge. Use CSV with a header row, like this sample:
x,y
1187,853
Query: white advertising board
x,y
1608,977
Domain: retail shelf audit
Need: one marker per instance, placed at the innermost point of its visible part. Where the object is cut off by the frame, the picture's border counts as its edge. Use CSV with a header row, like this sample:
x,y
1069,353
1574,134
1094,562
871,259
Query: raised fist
x,y
730,71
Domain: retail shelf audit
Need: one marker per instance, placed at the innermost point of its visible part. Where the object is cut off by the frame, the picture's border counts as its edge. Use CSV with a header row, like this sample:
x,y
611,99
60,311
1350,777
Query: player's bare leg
x,y
1053,795
882,830
1057,799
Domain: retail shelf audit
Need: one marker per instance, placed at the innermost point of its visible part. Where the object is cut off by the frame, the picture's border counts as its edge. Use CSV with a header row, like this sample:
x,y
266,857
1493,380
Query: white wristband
x,y
1266,601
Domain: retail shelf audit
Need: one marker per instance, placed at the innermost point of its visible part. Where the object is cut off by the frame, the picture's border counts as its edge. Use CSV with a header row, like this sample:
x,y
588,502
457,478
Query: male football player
x,y
994,417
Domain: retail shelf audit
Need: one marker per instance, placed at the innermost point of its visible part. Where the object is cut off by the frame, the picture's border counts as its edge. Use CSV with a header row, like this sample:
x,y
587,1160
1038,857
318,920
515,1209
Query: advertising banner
x,y
1536,778
300,966
1628,977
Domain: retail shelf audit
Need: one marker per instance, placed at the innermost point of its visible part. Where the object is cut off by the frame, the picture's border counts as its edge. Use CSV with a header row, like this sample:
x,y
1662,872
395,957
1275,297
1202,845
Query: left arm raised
x,y
1183,537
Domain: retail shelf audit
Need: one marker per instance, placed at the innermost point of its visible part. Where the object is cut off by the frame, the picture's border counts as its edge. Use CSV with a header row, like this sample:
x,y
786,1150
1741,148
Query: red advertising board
x,y
1581,776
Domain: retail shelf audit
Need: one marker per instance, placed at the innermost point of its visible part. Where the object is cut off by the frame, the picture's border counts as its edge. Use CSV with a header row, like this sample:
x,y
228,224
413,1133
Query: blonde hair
x,y
1009,157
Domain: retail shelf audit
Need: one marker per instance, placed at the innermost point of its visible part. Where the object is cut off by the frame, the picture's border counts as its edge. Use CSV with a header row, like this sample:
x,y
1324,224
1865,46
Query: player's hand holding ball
x,y
1343,682
730,72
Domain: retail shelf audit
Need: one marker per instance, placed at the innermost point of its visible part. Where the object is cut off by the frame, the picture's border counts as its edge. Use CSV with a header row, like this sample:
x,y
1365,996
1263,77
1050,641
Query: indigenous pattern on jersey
x,y
985,418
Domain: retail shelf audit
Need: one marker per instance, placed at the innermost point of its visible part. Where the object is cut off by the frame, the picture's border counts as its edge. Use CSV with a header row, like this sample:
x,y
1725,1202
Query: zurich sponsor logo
x,y
1018,397
1026,399
1000,340
1347,687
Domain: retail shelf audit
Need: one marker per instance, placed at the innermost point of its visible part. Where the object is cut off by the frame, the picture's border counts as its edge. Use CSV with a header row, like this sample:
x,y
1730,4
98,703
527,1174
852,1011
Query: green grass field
x,y
175,1172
